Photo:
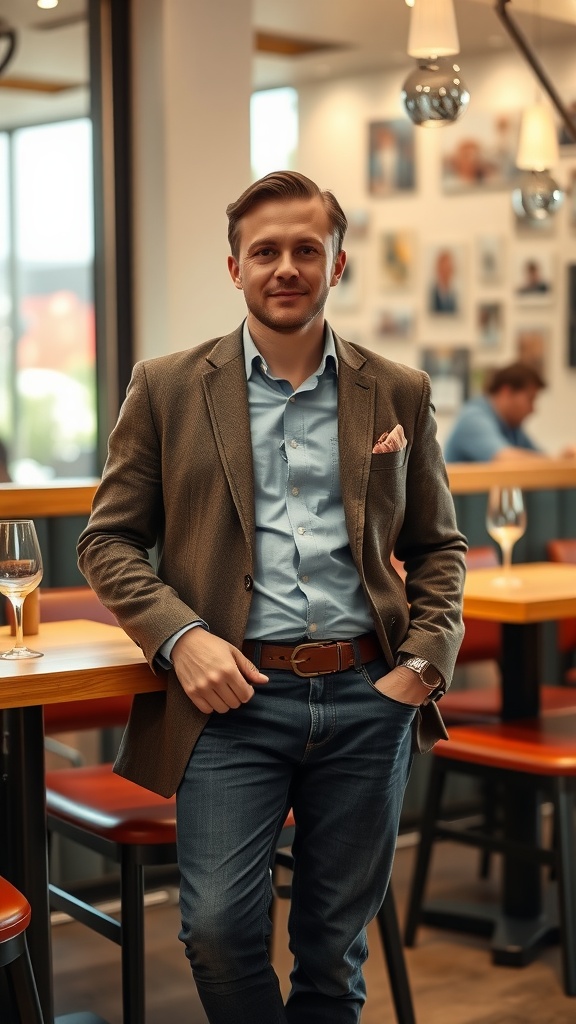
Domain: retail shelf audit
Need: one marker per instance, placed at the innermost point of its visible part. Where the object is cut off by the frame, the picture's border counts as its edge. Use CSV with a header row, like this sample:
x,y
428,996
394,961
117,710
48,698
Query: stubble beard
x,y
286,324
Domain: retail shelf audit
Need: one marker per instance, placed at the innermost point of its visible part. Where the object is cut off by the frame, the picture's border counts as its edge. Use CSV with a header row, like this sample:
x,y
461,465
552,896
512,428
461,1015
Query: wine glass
x,y
506,522
20,573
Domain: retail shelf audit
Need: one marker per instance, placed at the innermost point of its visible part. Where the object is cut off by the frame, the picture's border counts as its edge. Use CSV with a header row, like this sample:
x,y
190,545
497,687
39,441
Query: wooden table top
x,y
82,659
545,591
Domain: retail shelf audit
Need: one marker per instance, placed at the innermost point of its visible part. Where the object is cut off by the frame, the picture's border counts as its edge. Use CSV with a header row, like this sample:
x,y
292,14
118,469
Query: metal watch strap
x,y
423,668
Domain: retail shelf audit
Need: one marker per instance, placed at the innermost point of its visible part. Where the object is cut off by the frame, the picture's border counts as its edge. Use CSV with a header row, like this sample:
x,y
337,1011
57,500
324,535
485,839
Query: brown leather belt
x,y
314,658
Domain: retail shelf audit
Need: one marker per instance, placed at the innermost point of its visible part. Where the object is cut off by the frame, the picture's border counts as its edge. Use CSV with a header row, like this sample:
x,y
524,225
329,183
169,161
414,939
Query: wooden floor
x,y
452,976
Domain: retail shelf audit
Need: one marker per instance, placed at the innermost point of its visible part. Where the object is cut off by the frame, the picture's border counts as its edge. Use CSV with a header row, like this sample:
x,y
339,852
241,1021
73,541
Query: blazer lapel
x,y
356,402
227,397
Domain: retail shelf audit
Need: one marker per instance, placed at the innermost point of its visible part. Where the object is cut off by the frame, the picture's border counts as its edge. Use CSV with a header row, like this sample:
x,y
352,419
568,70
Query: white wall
x,y
192,86
334,119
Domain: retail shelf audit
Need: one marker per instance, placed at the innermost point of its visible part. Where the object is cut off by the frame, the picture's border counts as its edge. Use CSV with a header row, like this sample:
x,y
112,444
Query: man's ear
x,y
339,264
234,271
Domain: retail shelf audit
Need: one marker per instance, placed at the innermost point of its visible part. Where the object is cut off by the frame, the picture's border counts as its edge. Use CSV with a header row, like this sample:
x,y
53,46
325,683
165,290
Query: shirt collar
x,y
254,359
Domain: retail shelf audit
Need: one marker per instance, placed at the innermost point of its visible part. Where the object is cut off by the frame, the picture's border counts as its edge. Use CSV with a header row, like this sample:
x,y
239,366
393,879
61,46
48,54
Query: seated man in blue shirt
x,y
490,427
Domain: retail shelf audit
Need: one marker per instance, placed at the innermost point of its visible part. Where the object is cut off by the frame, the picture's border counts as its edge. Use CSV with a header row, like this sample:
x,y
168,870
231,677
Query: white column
x,y
192,68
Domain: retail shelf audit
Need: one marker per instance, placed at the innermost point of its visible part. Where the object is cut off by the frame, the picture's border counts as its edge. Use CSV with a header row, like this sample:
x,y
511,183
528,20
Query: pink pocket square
x,y
390,441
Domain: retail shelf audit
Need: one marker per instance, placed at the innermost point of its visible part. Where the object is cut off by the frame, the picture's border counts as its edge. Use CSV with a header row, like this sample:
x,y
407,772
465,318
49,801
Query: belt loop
x,y
357,655
257,654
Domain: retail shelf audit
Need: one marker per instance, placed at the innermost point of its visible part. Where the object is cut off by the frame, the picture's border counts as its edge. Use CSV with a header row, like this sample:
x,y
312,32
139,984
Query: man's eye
x,y
265,252
307,250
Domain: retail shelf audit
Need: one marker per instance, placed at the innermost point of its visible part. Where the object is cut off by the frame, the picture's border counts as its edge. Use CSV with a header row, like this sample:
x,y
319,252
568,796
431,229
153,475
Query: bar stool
x,y
543,750
14,956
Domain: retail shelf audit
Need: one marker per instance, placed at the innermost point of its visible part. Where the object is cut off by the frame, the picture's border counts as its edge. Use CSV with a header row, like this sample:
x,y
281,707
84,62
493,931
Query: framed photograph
x,y
480,152
391,157
445,280
449,372
490,324
394,323
490,251
532,343
533,276
347,294
358,224
396,252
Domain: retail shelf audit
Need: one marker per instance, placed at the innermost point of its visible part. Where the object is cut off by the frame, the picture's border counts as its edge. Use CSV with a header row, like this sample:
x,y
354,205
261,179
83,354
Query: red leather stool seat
x,y
539,746
14,911
109,806
485,705
76,715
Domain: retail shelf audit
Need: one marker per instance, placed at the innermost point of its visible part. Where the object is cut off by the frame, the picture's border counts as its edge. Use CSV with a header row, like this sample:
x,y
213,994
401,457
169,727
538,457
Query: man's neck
x,y
293,357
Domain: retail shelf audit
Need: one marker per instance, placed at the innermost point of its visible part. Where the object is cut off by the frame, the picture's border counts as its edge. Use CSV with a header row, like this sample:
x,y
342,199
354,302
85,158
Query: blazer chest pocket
x,y
388,460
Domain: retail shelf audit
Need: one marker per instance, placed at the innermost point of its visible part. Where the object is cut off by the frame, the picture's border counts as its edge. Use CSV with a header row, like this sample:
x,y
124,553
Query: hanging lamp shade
x,y
433,30
538,143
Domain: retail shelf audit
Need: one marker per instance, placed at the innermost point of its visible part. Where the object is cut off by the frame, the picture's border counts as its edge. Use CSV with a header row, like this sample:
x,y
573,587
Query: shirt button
x,y
293,444
304,579
248,582
312,627
295,491
291,399
301,530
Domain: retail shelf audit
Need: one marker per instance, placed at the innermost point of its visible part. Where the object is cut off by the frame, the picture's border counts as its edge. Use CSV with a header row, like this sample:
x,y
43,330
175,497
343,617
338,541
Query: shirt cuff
x,y
164,656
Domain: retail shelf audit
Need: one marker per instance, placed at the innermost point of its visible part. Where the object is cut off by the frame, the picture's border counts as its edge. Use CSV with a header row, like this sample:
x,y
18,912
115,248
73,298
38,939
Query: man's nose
x,y
286,266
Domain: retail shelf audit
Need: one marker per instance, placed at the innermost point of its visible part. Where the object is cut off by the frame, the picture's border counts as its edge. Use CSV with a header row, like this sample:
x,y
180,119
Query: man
x,y
276,469
443,297
490,426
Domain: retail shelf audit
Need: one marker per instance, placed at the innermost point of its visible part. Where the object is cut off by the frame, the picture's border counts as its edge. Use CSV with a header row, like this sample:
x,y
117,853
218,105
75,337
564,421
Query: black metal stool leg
x,y
392,944
133,988
566,859
427,833
23,986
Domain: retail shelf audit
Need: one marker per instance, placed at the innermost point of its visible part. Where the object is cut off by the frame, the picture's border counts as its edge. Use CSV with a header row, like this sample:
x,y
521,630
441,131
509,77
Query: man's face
x,y
286,264
518,404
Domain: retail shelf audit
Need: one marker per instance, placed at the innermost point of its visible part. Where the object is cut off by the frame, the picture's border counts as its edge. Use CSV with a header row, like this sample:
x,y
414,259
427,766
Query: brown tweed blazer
x,y
179,478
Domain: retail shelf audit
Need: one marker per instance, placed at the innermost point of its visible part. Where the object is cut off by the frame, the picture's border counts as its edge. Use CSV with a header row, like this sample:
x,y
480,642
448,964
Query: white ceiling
x,y
370,35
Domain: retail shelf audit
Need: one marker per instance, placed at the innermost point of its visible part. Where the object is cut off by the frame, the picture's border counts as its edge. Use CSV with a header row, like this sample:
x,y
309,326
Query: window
x,y
49,355
273,130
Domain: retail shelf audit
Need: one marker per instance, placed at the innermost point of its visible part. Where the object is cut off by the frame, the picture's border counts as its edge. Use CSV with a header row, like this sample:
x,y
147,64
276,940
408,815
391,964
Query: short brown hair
x,y
284,185
517,377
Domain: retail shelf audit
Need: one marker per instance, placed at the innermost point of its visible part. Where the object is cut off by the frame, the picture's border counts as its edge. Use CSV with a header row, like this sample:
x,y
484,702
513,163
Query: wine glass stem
x,y
506,557
18,604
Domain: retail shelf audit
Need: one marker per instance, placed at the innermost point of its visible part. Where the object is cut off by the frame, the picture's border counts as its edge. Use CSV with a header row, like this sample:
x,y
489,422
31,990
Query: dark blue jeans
x,y
338,752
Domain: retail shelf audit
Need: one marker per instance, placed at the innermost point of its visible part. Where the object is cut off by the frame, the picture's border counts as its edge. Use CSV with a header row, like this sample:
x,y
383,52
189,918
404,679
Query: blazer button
x,y
248,582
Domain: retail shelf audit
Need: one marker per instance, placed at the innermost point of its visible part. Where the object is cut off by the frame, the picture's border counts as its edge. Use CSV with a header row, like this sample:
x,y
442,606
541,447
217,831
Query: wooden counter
x,y
56,498
479,477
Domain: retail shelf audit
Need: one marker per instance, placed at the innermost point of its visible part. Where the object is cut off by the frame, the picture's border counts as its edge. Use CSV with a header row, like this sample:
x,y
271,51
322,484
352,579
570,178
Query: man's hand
x,y
215,675
404,685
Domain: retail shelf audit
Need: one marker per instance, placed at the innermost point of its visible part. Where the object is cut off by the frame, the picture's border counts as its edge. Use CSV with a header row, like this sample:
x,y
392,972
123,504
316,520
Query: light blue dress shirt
x,y
305,580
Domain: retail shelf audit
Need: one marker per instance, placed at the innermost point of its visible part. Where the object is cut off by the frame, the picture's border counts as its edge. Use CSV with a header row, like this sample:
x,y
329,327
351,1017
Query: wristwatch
x,y
429,675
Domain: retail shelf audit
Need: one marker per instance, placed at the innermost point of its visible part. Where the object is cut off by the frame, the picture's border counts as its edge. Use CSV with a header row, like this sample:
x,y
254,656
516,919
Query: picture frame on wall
x,y
532,344
394,323
490,260
490,325
479,152
444,279
533,276
396,260
449,372
391,163
347,294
